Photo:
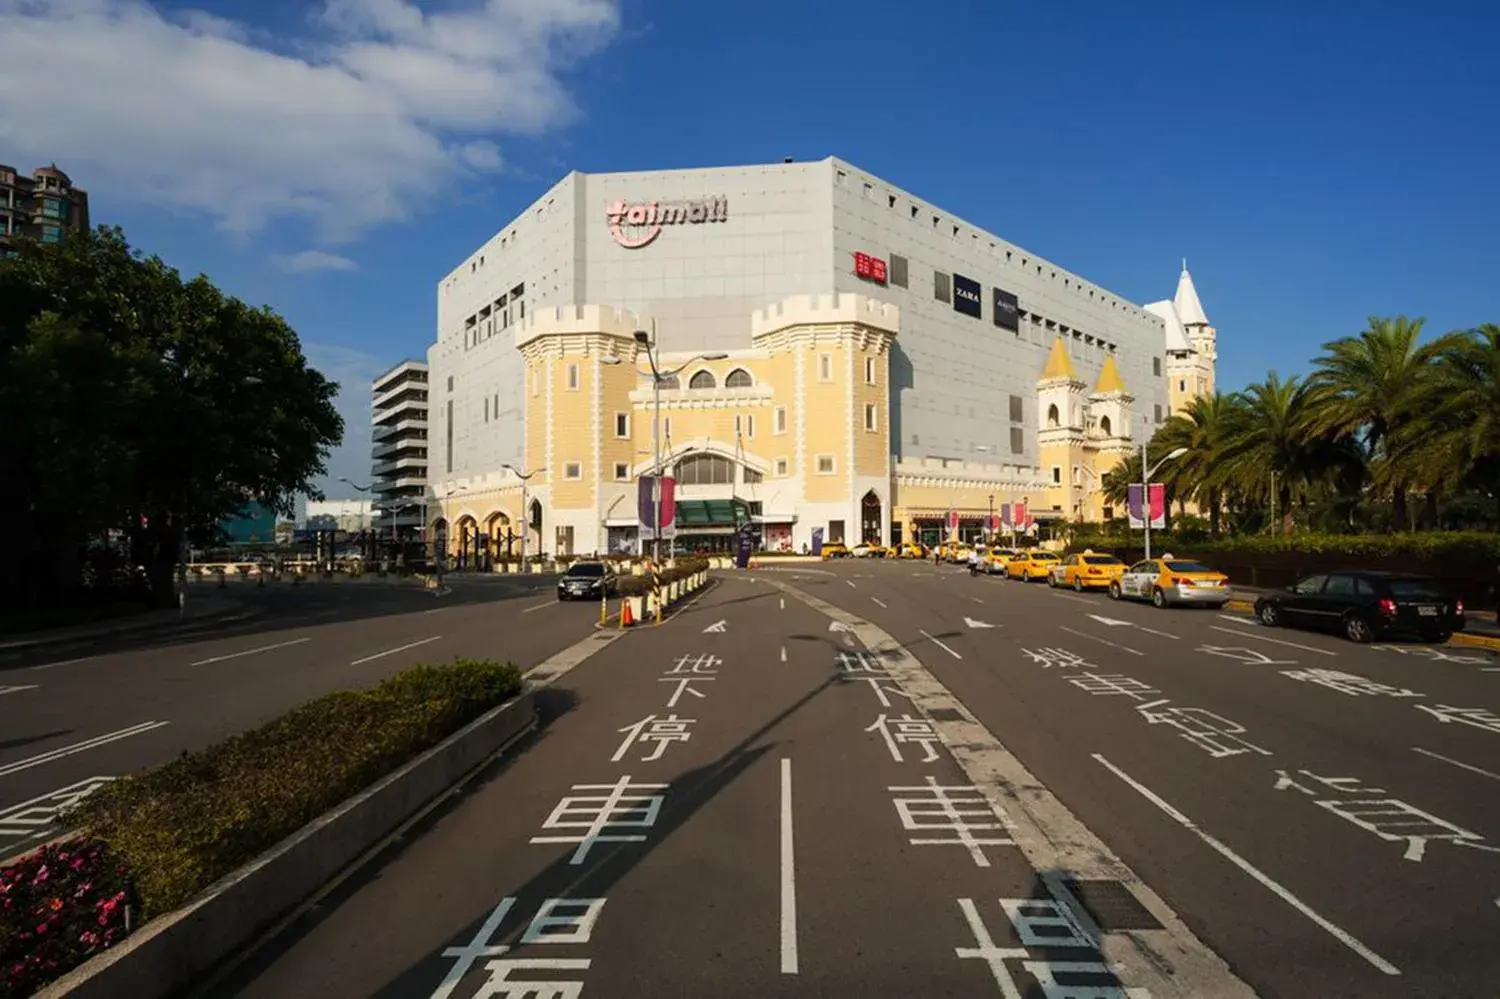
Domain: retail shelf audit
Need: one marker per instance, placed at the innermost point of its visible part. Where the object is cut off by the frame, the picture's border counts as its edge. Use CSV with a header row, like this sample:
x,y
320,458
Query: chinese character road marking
x,y
1214,734
1347,683
37,818
1041,924
573,928
906,728
1481,718
1106,684
1343,785
661,731
881,690
1249,657
860,662
960,809
699,665
1049,658
1436,655
684,685
596,814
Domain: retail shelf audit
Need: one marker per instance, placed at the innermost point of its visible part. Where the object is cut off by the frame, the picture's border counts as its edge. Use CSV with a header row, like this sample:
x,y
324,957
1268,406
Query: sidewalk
x,y
1480,629
198,609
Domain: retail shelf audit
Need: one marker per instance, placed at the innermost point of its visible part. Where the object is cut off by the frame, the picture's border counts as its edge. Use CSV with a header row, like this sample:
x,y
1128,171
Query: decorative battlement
x,y
826,310
600,320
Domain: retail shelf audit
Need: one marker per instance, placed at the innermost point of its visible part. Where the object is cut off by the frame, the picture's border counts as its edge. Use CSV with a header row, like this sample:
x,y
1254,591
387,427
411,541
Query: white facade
x,y
962,387
398,454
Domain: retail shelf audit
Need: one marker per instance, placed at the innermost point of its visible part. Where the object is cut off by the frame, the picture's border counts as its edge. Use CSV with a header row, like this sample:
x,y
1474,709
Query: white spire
x,y
1167,312
1189,309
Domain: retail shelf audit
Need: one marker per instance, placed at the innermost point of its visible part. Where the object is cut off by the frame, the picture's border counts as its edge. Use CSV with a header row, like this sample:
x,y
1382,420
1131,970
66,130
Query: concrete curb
x,y
1490,642
174,951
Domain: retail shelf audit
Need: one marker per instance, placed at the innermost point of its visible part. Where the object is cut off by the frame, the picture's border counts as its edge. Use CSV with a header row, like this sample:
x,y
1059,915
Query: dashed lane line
x,y
1457,763
877,600
938,642
250,652
391,652
1274,641
1170,962
1102,641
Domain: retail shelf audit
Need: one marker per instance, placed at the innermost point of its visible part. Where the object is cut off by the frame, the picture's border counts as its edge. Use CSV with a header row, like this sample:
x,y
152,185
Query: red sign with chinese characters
x,y
870,268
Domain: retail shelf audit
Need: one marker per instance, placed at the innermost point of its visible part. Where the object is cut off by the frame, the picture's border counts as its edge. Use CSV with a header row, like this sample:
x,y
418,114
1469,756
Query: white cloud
x,y
344,127
312,261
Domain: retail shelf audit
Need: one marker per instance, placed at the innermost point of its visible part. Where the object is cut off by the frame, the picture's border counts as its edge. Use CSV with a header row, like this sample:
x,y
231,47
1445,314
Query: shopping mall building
x,y
877,368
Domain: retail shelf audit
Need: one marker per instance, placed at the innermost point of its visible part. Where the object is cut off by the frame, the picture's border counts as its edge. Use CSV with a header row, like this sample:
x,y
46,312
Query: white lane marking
x,y
17,690
1153,631
879,601
783,603
391,652
1102,641
1117,623
249,652
783,653
939,644
850,582
1276,889
1069,596
788,875
977,624
544,603
1456,763
1241,619
718,627
1276,641
976,600
79,747
63,662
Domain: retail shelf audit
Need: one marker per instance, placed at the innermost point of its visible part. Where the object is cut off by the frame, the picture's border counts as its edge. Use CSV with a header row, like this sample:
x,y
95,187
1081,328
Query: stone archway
x,y
467,538
871,519
497,535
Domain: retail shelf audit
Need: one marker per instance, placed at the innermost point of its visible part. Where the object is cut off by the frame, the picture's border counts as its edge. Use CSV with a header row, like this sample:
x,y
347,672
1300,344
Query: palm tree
x,y
1369,387
1462,407
1271,434
1204,428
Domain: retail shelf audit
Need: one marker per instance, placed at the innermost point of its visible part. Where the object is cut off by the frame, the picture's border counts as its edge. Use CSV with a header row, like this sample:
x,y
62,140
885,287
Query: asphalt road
x,y
75,717
1262,827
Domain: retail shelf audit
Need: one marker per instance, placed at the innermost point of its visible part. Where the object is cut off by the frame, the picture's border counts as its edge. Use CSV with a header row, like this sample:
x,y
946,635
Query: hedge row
x,y
1466,545
155,840
637,586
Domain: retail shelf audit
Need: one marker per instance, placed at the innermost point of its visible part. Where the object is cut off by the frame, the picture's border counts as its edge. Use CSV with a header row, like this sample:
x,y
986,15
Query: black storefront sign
x,y
1007,311
968,296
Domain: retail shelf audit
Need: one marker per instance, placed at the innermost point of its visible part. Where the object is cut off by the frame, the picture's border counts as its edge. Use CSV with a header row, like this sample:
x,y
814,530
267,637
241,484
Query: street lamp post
x,y
441,557
1146,472
648,341
525,477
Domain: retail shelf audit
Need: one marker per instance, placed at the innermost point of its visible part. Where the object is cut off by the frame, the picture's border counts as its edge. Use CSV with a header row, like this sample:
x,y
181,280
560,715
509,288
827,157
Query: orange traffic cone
x,y
626,619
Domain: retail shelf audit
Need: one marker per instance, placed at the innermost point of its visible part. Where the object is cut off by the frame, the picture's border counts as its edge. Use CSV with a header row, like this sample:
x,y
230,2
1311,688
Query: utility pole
x,y
525,477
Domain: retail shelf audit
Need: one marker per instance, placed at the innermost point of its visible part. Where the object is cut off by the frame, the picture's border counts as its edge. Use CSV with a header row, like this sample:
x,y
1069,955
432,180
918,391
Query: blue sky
x,y
1315,166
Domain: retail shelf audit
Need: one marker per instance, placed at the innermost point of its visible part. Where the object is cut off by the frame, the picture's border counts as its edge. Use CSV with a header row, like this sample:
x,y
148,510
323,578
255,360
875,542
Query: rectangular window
x,y
898,271
942,287
1156,366
565,539
450,383
622,425
666,427
622,470
486,409
1182,384
449,455
871,423
1017,410
744,426
1158,412
778,419
835,532
1056,475
752,477
825,464
825,367
572,377
781,467
1017,440
573,470
869,371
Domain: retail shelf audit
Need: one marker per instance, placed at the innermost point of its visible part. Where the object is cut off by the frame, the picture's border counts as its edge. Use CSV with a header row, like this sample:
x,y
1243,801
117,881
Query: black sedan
x,y
1365,606
586,581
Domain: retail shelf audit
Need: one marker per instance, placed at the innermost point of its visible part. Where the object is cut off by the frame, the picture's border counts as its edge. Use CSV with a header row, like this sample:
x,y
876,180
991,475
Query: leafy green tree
x,y
141,403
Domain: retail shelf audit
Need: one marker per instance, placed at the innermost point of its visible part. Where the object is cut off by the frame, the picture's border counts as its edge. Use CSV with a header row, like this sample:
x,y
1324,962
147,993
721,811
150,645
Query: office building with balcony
x,y
882,371
398,471
41,206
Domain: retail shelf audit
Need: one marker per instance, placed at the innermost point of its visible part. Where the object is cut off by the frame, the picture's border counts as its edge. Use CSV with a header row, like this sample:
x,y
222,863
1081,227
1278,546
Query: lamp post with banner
x,y
1147,471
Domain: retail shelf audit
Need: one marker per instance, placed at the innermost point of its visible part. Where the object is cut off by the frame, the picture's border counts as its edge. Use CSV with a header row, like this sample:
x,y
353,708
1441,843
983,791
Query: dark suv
x,y
1365,606
586,580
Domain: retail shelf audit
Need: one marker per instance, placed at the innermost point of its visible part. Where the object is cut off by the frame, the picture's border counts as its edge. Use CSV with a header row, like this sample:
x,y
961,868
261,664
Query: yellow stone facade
x,y
794,427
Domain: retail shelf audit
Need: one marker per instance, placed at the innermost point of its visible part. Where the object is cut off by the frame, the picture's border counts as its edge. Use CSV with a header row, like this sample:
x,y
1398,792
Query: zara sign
x,y
635,224
968,296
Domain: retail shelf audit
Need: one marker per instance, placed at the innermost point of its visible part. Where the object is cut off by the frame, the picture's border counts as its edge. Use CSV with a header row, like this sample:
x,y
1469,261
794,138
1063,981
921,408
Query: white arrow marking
x,y
717,626
977,624
838,626
1110,621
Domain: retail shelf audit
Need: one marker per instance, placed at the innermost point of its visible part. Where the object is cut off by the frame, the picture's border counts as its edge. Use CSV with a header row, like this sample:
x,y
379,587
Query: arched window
x,y
705,470
738,378
702,380
1104,425
1052,416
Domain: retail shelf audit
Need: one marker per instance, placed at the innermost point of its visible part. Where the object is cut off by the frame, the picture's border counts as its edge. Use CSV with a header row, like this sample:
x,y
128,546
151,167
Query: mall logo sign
x,y
968,296
635,224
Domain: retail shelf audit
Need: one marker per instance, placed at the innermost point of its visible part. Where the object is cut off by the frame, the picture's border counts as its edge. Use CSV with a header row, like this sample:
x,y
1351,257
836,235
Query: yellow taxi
x,y
1086,570
1031,565
996,558
1171,580
910,549
835,549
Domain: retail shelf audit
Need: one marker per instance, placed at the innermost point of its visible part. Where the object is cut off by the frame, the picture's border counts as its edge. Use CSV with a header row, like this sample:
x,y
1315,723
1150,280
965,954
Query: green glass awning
x,y
712,513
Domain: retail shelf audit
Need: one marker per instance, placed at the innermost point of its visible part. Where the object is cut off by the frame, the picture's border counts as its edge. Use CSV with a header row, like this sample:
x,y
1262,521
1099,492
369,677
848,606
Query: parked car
x,y
1365,605
1086,570
587,580
1031,565
835,549
1170,580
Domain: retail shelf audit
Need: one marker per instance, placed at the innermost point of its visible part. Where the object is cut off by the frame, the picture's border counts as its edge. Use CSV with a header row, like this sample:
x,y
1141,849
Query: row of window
x,y
704,379
712,470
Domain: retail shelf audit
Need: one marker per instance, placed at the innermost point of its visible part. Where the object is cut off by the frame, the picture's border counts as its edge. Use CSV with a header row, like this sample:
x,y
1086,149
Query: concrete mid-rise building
x,y
880,376
398,453
42,206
